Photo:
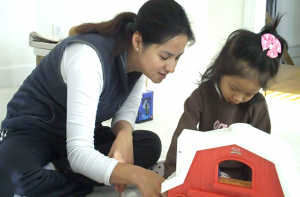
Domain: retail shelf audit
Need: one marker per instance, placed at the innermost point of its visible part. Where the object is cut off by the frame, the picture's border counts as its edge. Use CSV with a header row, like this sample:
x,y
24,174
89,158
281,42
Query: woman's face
x,y
237,90
156,61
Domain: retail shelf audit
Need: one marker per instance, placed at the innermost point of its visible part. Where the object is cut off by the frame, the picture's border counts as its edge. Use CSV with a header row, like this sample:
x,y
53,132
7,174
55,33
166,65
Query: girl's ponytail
x,y
249,55
271,28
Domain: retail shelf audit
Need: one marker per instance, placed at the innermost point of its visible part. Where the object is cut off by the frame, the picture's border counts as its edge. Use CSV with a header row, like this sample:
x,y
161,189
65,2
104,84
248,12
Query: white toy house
x,y
199,154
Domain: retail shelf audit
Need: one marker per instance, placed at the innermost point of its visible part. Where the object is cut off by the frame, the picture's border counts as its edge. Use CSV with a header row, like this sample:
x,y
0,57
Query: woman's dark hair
x,y
242,55
157,21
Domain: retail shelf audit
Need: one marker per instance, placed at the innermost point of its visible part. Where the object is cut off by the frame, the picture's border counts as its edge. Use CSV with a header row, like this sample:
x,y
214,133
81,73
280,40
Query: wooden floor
x,y
283,96
286,85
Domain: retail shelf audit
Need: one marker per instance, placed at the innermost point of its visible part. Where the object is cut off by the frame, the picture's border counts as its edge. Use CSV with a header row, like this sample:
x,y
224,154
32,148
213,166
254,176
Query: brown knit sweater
x,y
206,108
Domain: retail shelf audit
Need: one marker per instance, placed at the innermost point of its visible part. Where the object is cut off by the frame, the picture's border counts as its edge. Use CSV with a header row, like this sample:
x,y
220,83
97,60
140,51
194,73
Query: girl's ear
x,y
137,41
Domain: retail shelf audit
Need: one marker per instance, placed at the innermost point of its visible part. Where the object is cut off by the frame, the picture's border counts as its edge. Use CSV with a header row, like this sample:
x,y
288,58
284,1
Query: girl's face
x,y
235,89
156,61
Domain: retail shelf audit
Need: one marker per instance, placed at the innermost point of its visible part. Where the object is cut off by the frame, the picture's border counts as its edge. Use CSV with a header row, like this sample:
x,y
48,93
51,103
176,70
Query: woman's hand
x,y
148,182
122,148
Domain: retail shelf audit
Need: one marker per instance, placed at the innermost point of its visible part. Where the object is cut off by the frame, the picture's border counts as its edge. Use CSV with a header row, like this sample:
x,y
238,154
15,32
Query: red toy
x,y
274,170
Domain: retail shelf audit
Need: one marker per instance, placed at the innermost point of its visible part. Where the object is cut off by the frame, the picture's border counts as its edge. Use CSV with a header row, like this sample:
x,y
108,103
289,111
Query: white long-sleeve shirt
x,y
81,70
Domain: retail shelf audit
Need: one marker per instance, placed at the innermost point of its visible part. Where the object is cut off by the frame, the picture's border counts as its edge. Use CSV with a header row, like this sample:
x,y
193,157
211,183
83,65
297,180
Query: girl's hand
x,y
122,150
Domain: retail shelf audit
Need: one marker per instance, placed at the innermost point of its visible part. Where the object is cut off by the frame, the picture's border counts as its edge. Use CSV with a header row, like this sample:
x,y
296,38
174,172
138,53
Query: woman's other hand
x,y
148,182
122,148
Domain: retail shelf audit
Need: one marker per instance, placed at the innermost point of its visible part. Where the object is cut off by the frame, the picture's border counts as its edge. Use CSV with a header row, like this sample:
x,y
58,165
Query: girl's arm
x,y
189,120
259,114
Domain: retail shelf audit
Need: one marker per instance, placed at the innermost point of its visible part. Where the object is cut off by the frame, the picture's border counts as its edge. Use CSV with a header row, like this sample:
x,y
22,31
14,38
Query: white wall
x,y
69,13
186,75
224,17
212,21
290,26
179,85
17,20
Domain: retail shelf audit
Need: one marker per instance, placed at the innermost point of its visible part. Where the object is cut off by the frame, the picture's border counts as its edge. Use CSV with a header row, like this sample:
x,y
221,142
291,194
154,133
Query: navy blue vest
x,y
40,103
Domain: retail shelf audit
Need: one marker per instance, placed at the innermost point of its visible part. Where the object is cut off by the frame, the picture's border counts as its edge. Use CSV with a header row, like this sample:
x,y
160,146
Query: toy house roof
x,y
245,136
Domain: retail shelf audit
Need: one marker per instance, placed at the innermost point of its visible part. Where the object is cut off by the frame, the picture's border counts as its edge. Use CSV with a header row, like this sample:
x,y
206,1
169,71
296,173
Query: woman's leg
x,y
146,147
23,155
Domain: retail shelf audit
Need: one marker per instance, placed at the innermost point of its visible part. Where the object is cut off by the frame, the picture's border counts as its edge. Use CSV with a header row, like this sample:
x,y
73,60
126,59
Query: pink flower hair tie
x,y
269,41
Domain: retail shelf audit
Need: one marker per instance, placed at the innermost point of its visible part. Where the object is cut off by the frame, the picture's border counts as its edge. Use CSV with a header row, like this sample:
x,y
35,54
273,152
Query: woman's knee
x,y
148,137
147,143
156,144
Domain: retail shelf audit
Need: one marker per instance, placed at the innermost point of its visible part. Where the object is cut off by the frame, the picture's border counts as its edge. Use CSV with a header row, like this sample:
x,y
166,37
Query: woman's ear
x,y
137,41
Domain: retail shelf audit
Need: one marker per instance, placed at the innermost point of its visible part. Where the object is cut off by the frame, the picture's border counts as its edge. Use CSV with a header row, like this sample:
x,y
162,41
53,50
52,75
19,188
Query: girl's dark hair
x,y
242,55
157,21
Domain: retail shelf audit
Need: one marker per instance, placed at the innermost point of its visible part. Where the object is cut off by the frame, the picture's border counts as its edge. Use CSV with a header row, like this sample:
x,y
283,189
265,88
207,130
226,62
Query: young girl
x,y
56,115
229,90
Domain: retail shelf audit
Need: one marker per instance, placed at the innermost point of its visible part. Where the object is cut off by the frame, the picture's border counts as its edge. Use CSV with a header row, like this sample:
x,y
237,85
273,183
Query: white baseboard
x,y
14,75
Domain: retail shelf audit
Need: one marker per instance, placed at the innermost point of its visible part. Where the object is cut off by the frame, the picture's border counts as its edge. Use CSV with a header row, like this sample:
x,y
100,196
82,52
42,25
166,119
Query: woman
x,y
88,78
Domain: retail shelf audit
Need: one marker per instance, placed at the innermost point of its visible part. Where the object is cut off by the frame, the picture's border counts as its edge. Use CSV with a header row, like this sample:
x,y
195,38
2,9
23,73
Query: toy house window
x,y
235,173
